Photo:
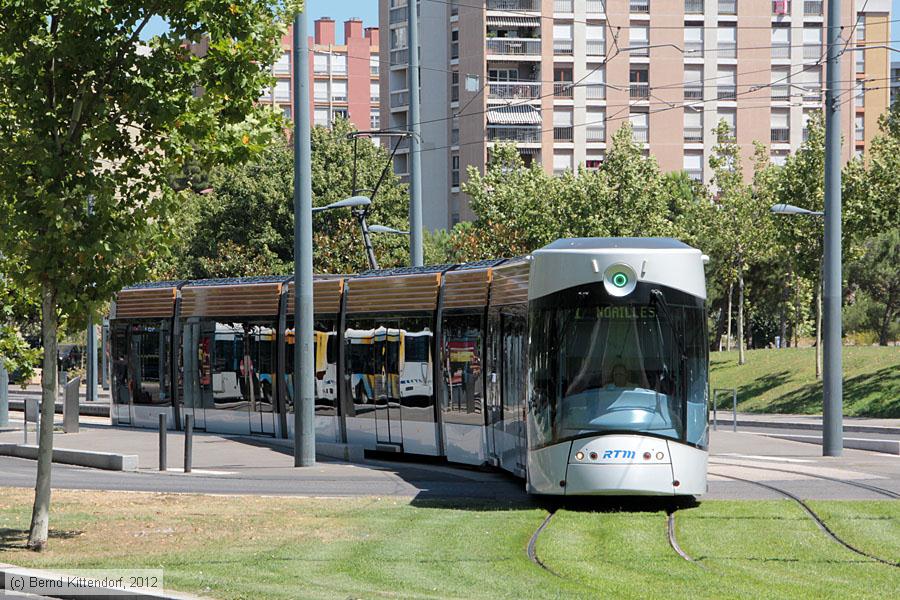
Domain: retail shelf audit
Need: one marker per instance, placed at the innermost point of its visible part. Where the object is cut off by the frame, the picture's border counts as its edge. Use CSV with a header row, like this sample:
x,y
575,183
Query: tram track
x,y
531,549
865,486
814,516
673,541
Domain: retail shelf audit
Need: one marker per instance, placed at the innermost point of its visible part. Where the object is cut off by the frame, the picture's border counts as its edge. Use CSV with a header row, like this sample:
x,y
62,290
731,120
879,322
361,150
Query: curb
x,y
872,445
93,409
725,419
107,461
40,576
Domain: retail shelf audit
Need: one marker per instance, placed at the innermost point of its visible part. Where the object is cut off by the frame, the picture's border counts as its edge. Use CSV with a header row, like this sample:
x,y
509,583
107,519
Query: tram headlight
x,y
619,280
579,455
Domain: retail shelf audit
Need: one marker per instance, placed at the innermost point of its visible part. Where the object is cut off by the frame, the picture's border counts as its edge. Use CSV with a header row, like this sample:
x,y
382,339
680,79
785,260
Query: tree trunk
x,y
740,320
819,330
728,327
40,514
887,320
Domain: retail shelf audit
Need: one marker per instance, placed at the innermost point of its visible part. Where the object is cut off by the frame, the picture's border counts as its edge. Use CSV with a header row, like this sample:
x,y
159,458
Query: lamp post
x,y
832,372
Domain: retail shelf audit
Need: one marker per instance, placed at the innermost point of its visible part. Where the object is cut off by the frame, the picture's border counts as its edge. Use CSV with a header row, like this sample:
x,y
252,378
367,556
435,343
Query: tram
x,y
582,368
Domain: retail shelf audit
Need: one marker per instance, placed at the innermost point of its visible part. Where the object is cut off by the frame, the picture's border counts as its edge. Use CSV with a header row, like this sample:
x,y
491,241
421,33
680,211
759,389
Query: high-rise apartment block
x,y
559,77
344,76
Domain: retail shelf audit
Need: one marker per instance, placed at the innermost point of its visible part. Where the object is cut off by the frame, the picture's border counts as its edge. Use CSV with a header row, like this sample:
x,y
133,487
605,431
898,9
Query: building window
x,y
320,117
693,82
639,39
595,40
595,125
595,82
454,171
283,64
339,64
693,165
286,112
562,78
320,63
639,82
778,158
812,42
640,127
693,41
781,84
860,128
562,162
374,92
562,39
454,44
781,126
283,89
374,65
726,83
860,61
398,38
693,125
729,115
375,119
339,113
454,86
727,41
781,42
339,91
562,125
320,91
860,27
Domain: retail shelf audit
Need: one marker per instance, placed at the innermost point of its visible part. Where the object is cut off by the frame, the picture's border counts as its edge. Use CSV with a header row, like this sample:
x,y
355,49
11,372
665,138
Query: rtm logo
x,y
618,454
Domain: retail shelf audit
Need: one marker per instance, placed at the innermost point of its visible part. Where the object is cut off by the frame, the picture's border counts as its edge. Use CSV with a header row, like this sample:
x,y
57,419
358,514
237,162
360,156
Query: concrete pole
x,y
104,360
4,396
304,367
416,254
832,411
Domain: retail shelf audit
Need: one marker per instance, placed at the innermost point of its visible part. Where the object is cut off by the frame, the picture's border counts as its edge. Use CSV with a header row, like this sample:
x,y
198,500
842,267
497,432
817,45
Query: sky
x,y
367,10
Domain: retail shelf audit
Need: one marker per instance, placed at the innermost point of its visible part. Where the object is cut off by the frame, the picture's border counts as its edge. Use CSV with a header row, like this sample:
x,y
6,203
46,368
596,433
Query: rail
x,y
511,90
514,46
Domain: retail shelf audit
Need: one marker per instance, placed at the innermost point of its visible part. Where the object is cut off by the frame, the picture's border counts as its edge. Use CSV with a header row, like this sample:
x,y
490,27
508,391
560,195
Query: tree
x,y
876,275
741,234
92,115
245,225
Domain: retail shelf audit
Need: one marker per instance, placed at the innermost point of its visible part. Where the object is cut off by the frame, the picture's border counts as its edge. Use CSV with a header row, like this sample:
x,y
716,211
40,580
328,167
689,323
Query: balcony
x,y
399,98
781,8
563,6
781,135
595,91
595,7
639,91
514,90
398,15
639,6
693,92
812,52
563,47
727,7
727,49
562,134
781,92
513,47
595,134
524,135
781,50
695,174
563,89
640,134
726,92
812,93
693,135
693,7
639,48
534,5
595,47
812,8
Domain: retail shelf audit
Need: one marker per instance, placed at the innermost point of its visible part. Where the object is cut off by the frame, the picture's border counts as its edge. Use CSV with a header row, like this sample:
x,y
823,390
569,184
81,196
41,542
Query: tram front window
x,y
602,366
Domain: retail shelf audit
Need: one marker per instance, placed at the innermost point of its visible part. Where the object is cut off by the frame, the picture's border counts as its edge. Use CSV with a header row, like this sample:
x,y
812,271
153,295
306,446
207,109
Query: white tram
x,y
581,368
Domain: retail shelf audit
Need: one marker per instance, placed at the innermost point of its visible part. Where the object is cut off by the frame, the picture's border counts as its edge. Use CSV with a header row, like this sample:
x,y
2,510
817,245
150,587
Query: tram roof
x,y
629,243
150,285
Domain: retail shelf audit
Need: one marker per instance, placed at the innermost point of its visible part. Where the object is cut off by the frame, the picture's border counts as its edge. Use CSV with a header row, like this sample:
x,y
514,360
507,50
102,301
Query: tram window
x,y
237,365
697,364
120,363
462,362
414,389
140,363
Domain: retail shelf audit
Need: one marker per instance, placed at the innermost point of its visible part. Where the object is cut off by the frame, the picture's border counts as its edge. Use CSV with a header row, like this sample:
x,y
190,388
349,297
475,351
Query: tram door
x,y
512,390
257,373
121,391
387,350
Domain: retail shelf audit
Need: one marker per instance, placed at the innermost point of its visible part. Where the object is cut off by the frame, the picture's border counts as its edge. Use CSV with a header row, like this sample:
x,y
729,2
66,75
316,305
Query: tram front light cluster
x,y
579,455
619,280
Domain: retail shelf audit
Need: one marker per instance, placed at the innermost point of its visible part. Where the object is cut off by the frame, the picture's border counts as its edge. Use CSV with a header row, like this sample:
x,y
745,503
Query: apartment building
x,y
559,77
345,77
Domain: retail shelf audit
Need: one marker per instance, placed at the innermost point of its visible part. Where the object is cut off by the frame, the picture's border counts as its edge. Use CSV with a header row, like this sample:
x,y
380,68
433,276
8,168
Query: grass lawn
x,y
249,547
784,381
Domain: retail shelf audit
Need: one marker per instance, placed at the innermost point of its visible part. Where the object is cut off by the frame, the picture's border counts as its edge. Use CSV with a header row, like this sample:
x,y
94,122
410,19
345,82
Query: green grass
x,y
247,547
783,381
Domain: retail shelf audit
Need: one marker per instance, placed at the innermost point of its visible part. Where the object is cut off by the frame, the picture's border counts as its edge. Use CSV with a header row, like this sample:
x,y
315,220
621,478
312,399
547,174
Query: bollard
x,y
715,416
188,441
734,410
162,442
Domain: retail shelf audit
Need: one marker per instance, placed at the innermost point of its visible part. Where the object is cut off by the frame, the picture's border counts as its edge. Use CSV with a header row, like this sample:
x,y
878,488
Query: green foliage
x,y
89,112
245,226
876,276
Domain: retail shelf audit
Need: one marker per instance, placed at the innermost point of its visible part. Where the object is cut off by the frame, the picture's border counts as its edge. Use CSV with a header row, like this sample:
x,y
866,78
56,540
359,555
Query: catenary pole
x,y
415,149
832,411
304,385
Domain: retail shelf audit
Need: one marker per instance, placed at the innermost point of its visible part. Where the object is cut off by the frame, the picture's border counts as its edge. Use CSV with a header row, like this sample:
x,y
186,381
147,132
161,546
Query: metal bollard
x,y
715,416
188,441
734,410
162,442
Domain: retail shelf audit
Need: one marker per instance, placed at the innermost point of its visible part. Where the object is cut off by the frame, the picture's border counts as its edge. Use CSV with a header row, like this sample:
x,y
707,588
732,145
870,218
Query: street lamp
x,y
359,206
832,402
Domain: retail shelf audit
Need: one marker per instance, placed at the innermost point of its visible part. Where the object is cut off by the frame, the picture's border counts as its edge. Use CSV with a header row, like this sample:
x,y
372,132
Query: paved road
x,y
224,465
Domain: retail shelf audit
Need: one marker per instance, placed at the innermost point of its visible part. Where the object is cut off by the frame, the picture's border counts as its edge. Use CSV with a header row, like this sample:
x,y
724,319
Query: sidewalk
x,y
810,422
